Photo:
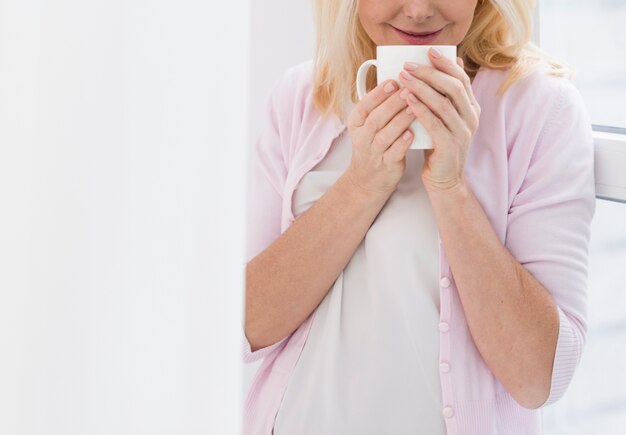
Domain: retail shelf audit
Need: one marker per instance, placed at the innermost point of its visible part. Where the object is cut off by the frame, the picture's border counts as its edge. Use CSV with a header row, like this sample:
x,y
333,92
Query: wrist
x,y
456,190
357,189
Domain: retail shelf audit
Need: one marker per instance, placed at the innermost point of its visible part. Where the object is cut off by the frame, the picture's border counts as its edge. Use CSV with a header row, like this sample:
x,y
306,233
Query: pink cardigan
x,y
531,166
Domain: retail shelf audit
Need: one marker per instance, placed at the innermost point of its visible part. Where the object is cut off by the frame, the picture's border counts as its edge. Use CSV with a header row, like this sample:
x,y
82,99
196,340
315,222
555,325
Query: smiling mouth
x,y
419,38
418,33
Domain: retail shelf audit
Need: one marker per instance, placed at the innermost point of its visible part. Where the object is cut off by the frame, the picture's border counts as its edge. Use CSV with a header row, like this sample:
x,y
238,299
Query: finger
x,y
397,151
433,125
438,104
466,81
448,85
380,117
370,101
386,136
470,90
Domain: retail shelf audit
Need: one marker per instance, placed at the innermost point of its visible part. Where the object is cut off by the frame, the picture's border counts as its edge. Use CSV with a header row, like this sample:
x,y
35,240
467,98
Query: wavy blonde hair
x,y
499,37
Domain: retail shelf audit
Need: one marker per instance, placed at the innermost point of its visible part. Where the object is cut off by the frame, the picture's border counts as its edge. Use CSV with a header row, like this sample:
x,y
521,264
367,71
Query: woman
x,y
407,292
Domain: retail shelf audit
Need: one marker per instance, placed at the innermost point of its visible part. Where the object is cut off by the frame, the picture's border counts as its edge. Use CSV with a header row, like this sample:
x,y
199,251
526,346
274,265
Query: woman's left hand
x,y
446,107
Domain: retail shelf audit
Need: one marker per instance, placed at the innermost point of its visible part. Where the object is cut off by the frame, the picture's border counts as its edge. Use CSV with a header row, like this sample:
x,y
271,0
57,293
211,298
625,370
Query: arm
x,y
512,318
288,280
525,301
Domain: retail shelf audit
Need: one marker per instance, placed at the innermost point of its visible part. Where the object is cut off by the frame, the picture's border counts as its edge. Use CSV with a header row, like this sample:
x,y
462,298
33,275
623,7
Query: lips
x,y
418,38
418,33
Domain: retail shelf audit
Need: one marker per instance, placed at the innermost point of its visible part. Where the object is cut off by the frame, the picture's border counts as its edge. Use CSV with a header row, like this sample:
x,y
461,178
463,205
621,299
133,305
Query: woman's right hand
x,y
378,127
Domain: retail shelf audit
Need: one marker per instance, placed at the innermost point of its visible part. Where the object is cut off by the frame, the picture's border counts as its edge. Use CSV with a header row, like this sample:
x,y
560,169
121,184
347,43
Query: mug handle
x,y
361,76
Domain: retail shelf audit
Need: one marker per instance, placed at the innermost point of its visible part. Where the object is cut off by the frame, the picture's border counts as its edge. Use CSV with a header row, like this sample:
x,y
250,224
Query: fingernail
x,y
412,98
406,75
408,111
389,87
435,52
410,66
407,135
404,93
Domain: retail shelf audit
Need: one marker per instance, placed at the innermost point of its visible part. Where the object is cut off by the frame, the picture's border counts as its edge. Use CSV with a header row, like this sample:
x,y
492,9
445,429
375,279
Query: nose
x,y
419,10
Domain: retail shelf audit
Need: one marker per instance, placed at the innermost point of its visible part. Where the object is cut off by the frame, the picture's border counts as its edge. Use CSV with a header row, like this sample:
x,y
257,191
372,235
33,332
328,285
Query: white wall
x,y
123,126
282,34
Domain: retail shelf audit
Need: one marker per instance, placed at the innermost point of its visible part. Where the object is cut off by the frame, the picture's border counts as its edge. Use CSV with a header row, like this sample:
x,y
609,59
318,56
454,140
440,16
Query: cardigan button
x,y
445,367
448,412
444,327
445,282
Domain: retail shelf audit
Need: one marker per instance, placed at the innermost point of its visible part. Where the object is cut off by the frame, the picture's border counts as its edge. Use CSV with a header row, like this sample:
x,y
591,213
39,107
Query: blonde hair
x,y
499,37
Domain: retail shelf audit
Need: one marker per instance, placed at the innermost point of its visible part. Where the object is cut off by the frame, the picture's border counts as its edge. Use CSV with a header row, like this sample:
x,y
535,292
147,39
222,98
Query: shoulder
x,y
534,102
300,73
294,113
293,85
538,92
290,99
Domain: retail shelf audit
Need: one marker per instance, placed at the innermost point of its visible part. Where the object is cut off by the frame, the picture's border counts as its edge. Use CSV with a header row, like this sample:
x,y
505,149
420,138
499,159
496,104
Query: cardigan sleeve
x,y
267,172
549,221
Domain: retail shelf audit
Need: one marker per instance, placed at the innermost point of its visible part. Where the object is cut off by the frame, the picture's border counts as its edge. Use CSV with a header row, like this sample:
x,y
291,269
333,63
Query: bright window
x,y
591,36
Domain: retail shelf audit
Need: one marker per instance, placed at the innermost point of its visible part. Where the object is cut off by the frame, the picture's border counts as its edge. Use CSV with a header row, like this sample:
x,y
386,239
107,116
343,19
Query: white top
x,y
376,330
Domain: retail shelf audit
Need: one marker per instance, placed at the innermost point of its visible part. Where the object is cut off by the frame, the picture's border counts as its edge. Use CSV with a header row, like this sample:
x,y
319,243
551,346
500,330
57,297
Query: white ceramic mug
x,y
389,63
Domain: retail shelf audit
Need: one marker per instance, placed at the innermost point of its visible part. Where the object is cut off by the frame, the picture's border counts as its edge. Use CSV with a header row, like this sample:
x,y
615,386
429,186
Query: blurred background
x,y
121,290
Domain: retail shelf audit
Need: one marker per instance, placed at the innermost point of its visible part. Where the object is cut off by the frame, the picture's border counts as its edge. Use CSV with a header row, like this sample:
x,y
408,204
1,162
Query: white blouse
x,y
376,330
